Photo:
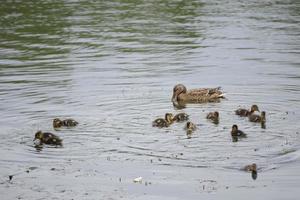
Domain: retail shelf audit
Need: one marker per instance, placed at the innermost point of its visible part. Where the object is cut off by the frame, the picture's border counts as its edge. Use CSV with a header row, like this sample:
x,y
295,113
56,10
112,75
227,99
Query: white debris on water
x,y
138,179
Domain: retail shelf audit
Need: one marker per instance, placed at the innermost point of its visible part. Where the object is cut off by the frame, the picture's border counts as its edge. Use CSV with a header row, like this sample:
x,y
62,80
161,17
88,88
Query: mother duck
x,y
200,95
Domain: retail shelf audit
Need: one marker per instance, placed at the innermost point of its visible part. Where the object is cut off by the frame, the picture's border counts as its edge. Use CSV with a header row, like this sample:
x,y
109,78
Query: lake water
x,y
112,66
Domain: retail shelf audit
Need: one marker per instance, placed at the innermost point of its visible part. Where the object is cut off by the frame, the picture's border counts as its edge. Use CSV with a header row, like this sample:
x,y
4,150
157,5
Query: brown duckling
x,y
57,123
253,169
213,116
47,138
200,95
180,117
250,168
190,127
235,132
244,112
257,118
160,122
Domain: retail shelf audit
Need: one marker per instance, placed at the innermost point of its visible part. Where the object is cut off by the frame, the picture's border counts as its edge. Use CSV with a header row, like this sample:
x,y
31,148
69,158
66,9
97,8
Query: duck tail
x,y
213,90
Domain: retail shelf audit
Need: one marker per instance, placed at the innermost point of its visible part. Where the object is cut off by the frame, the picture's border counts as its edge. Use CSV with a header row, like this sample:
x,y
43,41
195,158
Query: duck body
x,y
201,95
213,116
180,117
48,138
163,122
160,122
57,123
244,112
258,118
235,132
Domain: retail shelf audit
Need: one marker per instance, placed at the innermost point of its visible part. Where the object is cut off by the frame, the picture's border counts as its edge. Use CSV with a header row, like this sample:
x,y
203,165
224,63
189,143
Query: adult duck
x,y
200,95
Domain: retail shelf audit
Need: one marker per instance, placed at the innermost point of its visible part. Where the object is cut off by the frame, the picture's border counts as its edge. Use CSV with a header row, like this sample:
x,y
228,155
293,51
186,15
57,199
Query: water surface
x,y
112,67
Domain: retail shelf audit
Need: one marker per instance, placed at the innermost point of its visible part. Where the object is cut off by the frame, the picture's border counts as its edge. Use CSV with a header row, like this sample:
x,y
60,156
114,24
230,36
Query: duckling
x,y
190,128
160,122
244,112
57,123
235,132
47,138
257,118
180,117
250,168
213,116
253,169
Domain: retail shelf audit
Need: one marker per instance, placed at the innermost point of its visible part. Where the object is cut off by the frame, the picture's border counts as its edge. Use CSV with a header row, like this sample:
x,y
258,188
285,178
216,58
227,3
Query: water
x,y
112,67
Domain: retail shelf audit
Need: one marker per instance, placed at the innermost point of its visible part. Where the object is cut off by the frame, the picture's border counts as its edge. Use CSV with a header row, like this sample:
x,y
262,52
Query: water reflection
x,y
33,32
56,31
254,175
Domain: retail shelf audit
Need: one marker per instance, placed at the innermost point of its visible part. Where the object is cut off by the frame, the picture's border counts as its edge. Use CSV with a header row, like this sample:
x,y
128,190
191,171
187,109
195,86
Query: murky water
x,y
112,67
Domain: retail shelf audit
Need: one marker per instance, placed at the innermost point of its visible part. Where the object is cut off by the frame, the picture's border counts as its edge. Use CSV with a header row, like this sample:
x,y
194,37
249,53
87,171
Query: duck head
x,y
190,126
254,108
169,117
177,90
38,135
57,123
234,130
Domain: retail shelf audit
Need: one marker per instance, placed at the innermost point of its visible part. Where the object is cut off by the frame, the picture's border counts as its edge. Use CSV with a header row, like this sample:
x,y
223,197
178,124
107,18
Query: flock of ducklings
x,y
190,127
180,96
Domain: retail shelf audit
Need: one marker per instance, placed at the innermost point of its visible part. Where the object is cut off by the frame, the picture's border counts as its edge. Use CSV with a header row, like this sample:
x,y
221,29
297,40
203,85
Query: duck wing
x,y
206,91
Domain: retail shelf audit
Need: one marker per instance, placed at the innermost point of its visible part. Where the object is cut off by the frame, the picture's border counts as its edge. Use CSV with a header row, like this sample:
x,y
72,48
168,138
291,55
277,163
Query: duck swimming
x,y
250,168
180,117
253,169
47,138
244,112
160,122
213,116
57,123
190,127
201,95
235,132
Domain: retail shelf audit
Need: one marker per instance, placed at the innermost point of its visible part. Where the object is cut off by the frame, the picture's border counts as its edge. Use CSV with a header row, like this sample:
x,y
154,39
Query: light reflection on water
x,y
112,67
